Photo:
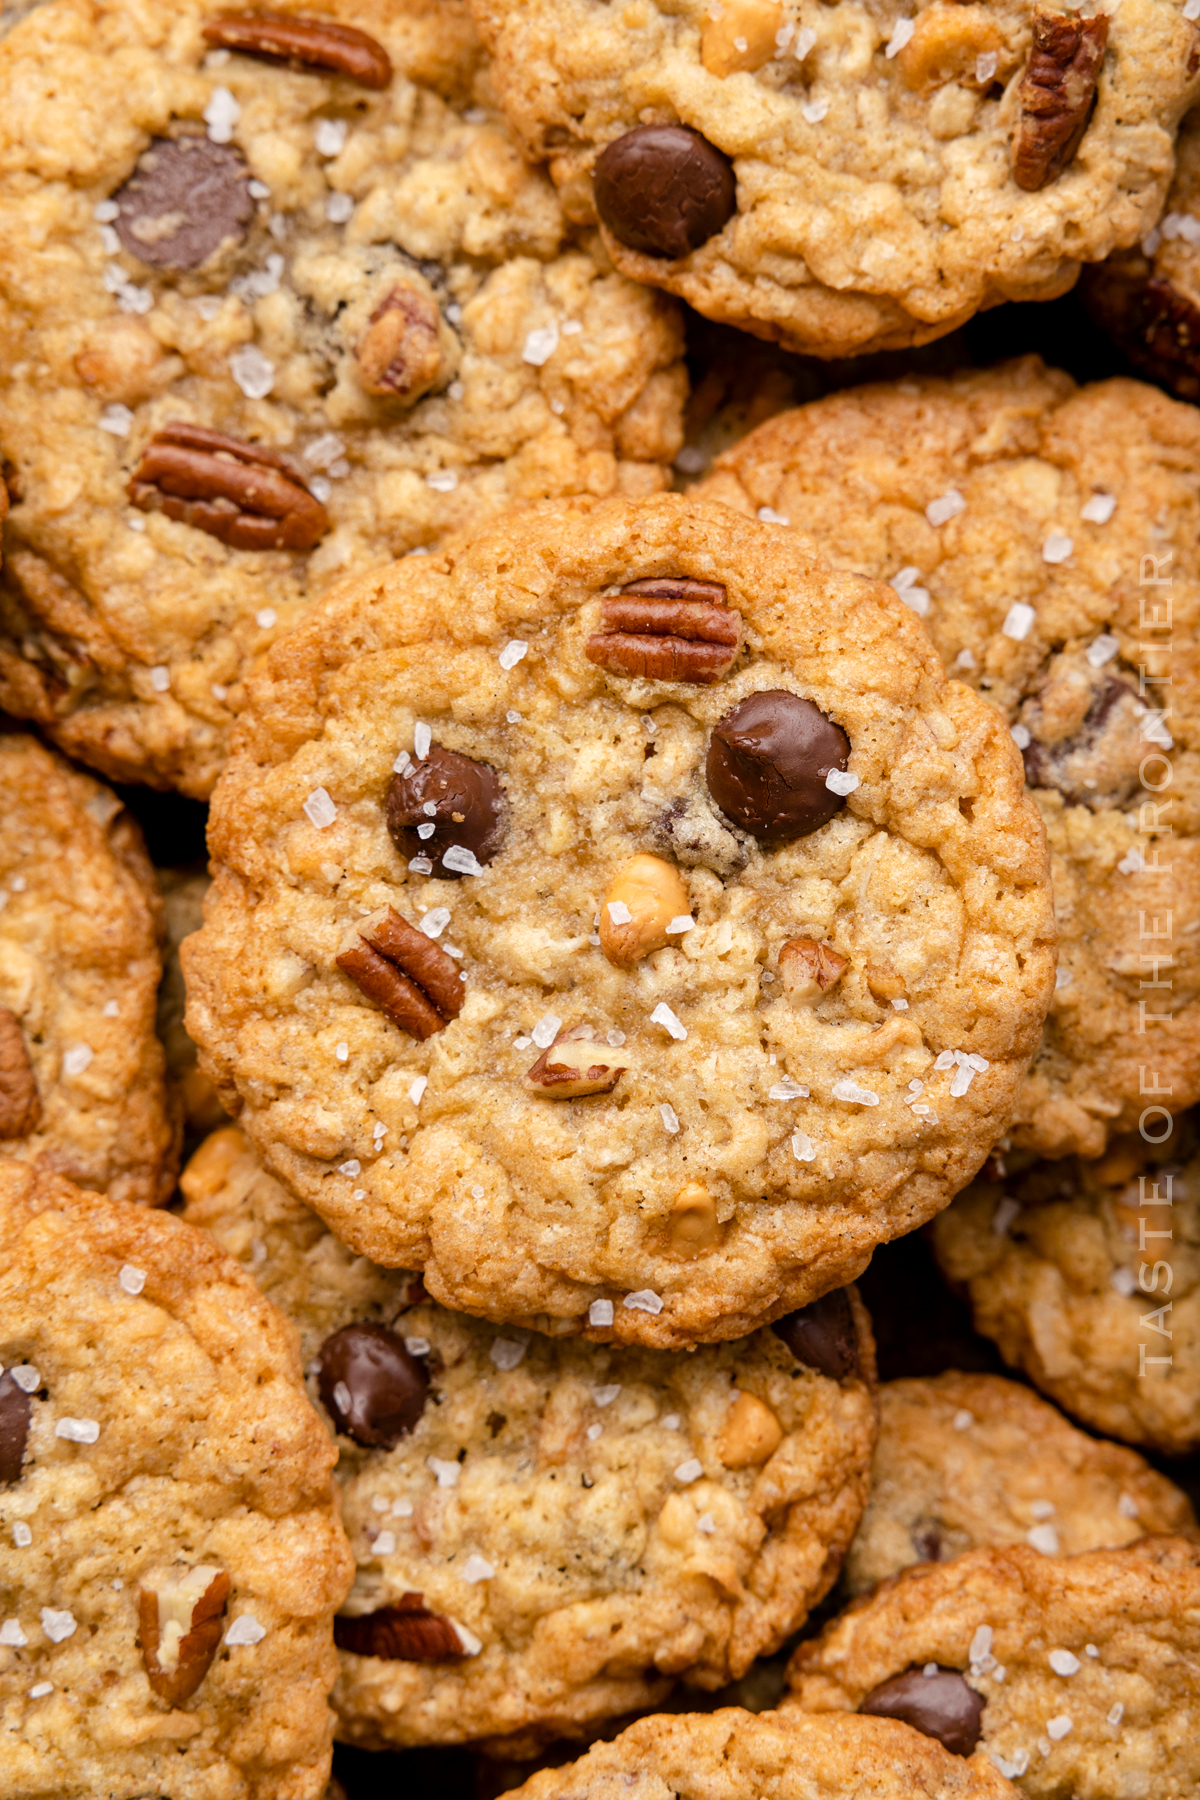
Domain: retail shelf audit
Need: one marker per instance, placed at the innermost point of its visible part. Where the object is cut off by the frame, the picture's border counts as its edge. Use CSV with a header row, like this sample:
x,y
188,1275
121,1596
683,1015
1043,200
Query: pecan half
x,y
405,973
405,1632
399,355
313,43
669,628
20,1107
241,493
1057,93
575,1065
180,1618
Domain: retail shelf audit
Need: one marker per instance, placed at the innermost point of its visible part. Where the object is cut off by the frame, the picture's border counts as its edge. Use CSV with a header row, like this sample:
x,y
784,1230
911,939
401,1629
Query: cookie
x,y
81,1071
301,310
690,1509
1088,1278
733,935
1074,1675
735,1755
964,1462
171,1556
183,892
850,180
1047,536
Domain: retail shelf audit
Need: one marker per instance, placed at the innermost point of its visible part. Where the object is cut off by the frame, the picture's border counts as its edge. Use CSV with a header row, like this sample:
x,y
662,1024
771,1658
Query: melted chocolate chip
x,y
942,1706
767,763
460,798
664,189
370,1385
1086,735
185,200
14,1429
822,1335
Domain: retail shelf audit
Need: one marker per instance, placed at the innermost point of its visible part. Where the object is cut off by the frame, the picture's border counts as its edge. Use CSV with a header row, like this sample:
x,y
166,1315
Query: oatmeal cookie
x,y
171,1556
1087,1275
183,892
1047,535
735,1755
621,918
851,178
690,1508
81,1070
298,310
1075,1675
963,1462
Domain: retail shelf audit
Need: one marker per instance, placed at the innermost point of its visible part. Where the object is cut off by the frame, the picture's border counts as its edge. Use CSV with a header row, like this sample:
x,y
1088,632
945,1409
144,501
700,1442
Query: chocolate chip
x,y
14,1429
370,1385
767,763
186,199
1086,735
664,189
942,1706
822,1335
467,803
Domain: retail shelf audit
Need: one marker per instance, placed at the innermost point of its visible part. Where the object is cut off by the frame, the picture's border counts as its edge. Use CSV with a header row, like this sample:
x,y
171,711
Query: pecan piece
x,y
241,493
180,1618
809,969
575,1065
1156,326
311,43
1057,92
405,1632
400,355
669,628
20,1107
405,973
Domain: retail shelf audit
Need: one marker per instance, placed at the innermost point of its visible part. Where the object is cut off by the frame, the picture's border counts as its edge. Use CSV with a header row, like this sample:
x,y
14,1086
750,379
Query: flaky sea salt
x,y
1057,547
58,1625
604,1396
1004,1216
1099,509
802,1147
319,809
435,921
986,64
618,912
339,209
160,678
1132,863
689,1471
540,345
1127,1506
26,1377
116,420
77,1059
600,1312
130,1279
512,653
1058,1728
841,781
462,860
477,1568
253,372
416,1092
245,1632
445,1473
1018,621
787,1089
442,481
1064,1663
963,1419
680,923
1021,736
77,1431
947,506
22,1536
662,1015
670,1118
902,32
221,115
330,136
813,111
1043,1538
644,1300
768,516
11,1635
546,1030
845,1089
506,1353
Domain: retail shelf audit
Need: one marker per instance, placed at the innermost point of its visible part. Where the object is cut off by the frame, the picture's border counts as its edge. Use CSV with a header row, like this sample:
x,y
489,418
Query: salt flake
x,y
130,1279
245,1631
1018,621
662,1015
512,653
319,808
600,1312
644,1300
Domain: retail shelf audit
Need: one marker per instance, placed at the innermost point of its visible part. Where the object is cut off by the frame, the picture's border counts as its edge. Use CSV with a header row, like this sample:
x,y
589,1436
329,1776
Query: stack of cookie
x,y
623,830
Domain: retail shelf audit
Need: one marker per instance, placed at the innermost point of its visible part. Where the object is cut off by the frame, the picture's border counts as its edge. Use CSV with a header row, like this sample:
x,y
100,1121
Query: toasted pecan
x,y
407,975
404,1632
668,628
314,43
20,1107
243,494
1057,92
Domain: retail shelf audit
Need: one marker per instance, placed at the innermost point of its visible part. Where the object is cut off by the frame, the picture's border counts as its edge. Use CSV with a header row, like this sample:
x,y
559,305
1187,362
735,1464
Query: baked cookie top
x,y
1047,535
736,1755
171,1556
549,1531
853,178
81,1070
1087,1275
642,1002
341,266
963,1462
1074,1675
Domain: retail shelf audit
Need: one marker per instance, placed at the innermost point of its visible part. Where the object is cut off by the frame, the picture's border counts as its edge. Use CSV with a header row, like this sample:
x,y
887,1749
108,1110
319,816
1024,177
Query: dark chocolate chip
x,y
767,763
468,809
942,1706
1094,760
187,198
371,1386
664,189
822,1335
14,1429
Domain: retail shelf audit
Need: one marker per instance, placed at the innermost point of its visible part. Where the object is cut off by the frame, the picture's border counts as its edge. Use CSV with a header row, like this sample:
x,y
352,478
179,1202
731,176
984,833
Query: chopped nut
x,y
312,43
180,1615
692,1226
884,983
407,975
20,1107
240,493
405,1632
1056,94
399,355
668,628
646,895
742,36
945,44
575,1065
750,1434
809,969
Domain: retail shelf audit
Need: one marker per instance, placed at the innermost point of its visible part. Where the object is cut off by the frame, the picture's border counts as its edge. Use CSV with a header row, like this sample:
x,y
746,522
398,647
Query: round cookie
x,y
964,1462
361,289
849,179
1087,1276
690,1509
183,892
1047,536
735,1755
81,1070
1075,1675
805,1039
171,1555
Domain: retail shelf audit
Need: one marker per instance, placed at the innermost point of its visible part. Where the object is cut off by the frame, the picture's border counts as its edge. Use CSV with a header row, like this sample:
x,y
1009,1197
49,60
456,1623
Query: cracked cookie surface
x,y
583,1523
1047,535
752,1129
366,292
171,1556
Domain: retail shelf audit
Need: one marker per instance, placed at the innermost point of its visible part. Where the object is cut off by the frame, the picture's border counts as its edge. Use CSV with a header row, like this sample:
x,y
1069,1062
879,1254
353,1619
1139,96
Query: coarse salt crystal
x,y
462,860
12,1636
26,1377
512,718
540,345
22,1536
963,1419
116,419
477,1568
604,1396
946,507
339,208
1043,1538
662,1015
342,1051
477,1192
384,1544
600,1312
78,1431
512,653
1063,1663
1018,621
707,1524
1058,1728
1116,1713
58,1626
245,1632
253,372
1057,547
768,516
644,1300
1090,1650
690,460
319,808
40,1689
351,1168
77,1059
670,1118
130,1279
506,1353
546,1030
1191,9
850,1090
841,781
689,1471
402,1509
1132,863
265,617
986,64
980,1648
221,115
1127,1506
435,921
111,1009
1003,1217
445,1473
960,1082
442,481
1020,1758
945,1060
1062,979
330,136
787,1089
1021,736
1099,509
681,922
902,32
813,111
804,40
618,912
802,1147
416,1092
160,678
899,1004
